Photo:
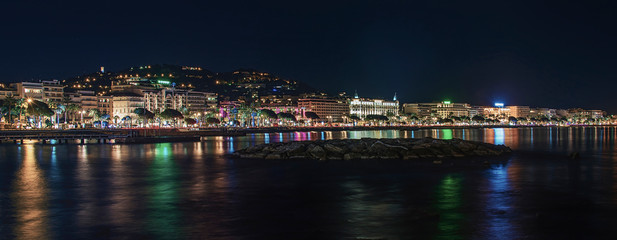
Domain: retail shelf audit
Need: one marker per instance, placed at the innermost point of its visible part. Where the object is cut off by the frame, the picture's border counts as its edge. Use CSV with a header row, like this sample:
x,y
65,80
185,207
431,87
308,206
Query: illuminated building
x,y
124,104
498,112
447,109
361,107
328,109
542,112
52,91
278,100
578,112
30,90
419,109
211,100
519,111
104,104
43,91
170,98
5,92
443,109
87,100
279,103
282,108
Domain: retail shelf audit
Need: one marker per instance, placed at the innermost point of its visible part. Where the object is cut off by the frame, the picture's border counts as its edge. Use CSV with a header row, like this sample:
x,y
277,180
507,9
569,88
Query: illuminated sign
x,y
163,82
446,102
499,105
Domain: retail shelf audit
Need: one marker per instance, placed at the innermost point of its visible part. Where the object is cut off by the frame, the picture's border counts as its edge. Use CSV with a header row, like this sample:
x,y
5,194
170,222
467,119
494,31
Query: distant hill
x,y
227,84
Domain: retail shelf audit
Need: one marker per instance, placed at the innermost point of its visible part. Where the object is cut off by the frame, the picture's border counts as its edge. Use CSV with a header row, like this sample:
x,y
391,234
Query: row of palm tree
x,y
532,120
145,116
37,111
44,114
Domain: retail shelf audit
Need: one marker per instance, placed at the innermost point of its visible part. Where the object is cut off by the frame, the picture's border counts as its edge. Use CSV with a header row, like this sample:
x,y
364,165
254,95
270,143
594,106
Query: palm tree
x,y
66,101
59,110
97,116
38,109
22,104
212,121
127,119
286,117
268,114
143,114
73,108
171,114
478,119
9,104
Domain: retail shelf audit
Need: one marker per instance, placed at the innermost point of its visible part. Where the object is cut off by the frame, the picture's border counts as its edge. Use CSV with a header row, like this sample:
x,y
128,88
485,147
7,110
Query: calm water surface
x,y
193,191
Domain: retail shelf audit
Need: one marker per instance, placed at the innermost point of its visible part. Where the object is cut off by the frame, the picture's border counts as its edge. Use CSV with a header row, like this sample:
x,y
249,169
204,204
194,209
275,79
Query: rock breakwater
x,y
370,148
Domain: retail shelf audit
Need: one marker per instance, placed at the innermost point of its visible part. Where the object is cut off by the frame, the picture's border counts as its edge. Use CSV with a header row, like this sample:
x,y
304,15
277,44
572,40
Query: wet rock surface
x,y
370,148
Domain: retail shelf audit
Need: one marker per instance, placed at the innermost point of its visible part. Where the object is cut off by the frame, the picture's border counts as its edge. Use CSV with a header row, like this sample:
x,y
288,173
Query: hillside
x,y
227,84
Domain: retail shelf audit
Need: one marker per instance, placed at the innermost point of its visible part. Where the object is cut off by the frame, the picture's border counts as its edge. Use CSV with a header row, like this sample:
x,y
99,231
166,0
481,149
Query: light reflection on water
x,y
169,190
163,218
449,203
30,198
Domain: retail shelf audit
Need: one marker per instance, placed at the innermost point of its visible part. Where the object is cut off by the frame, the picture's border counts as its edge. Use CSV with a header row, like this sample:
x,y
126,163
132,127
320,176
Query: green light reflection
x,y
447,134
163,214
448,204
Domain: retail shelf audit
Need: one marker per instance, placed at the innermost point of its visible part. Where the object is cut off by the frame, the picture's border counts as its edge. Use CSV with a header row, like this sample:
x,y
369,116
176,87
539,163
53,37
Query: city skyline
x,y
523,53
349,93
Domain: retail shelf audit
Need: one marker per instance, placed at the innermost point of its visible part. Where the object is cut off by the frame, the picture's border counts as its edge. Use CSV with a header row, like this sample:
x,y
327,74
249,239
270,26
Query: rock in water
x,y
367,148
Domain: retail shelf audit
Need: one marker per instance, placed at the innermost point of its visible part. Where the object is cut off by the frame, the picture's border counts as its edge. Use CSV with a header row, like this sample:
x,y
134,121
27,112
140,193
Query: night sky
x,y
557,54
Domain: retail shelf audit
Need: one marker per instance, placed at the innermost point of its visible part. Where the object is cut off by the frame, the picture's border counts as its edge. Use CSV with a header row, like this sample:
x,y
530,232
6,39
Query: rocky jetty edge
x,y
370,148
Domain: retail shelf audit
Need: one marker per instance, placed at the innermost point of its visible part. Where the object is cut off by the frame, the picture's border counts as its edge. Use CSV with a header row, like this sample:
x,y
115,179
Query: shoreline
x,y
158,135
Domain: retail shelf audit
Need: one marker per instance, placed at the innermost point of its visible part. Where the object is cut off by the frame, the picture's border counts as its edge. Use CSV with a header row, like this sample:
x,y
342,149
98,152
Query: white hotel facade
x,y
361,107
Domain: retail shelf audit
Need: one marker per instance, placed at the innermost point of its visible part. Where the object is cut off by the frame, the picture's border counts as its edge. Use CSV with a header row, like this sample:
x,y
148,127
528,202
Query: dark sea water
x,y
193,191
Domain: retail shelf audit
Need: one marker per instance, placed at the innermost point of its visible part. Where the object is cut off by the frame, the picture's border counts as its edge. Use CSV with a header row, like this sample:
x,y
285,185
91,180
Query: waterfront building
x,y
578,112
519,111
328,109
104,104
542,112
361,107
53,91
45,91
447,109
6,92
443,109
157,100
475,110
32,90
211,101
125,103
419,109
597,113
279,103
87,100
198,102
279,108
496,112
278,100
